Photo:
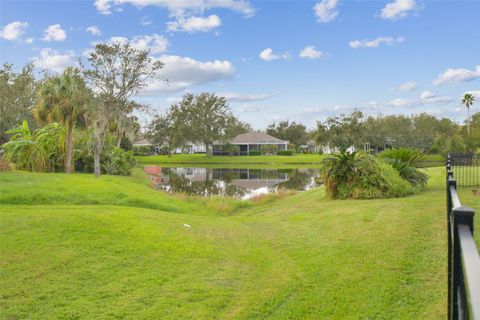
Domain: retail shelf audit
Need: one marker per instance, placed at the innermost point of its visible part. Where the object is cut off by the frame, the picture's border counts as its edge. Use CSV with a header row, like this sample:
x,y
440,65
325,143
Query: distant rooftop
x,y
254,137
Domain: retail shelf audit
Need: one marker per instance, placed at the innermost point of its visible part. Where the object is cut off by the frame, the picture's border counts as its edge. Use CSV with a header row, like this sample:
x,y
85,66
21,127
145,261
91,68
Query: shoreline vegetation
x,y
72,244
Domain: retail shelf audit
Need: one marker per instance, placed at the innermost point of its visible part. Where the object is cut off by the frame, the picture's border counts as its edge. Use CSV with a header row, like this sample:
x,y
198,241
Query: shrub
x,y
284,152
355,175
114,161
141,151
406,162
231,149
41,150
269,149
255,153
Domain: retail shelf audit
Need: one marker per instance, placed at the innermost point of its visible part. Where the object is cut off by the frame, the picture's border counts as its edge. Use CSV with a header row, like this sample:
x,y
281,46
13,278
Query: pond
x,y
240,183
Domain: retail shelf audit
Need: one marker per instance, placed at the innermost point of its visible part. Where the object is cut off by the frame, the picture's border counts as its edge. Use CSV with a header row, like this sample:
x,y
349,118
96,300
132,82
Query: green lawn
x,y
76,247
309,160
242,160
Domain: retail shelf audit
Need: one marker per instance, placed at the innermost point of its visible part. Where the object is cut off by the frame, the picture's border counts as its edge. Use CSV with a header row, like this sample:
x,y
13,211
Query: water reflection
x,y
233,182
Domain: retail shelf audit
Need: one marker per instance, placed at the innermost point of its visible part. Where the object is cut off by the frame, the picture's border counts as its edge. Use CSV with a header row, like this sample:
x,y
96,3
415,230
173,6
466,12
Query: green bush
x,y
285,152
355,175
406,162
42,150
114,161
142,151
255,153
269,149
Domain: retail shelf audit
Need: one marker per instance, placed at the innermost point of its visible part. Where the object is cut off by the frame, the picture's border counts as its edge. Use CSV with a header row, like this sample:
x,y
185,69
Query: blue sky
x,y
273,60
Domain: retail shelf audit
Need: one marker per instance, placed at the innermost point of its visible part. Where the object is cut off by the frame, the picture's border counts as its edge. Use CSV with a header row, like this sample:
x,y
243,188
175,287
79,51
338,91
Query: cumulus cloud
x,y
268,55
406,86
375,43
194,24
29,40
50,59
326,10
13,30
398,9
239,97
54,33
309,52
457,75
180,73
179,8
250,108
425,98
94,30
154,42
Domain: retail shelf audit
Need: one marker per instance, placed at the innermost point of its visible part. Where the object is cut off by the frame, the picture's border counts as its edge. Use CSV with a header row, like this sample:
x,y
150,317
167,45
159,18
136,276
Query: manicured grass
x,y
122,251
310,160
204,159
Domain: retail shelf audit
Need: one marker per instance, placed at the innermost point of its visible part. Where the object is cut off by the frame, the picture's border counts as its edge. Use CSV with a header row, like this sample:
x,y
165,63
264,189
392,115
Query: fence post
x,y
461,215
450,182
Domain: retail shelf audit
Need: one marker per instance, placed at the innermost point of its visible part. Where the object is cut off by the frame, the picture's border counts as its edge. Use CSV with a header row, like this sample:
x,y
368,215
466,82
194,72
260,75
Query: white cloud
x,y
13,30
180,73
375,43
29,40
145,21
309,52
180,8
53,60
239,97
268,55
194,24
457,75
54,33
250,108
401,102
406,86
398,9
326,10
154,42
425,98
94,30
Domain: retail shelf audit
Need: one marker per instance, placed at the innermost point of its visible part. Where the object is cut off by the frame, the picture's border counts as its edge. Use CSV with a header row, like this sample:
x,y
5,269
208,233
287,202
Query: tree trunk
x,y
468,121
98,143
119,140
69,151
96,163
209,149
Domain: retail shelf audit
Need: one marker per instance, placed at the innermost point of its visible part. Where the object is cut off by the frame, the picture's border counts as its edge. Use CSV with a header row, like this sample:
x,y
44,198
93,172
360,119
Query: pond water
x,y
240,183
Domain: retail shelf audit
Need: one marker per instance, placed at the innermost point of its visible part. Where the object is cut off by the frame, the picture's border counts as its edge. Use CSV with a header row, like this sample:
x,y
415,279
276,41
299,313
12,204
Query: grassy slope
x,y
299,256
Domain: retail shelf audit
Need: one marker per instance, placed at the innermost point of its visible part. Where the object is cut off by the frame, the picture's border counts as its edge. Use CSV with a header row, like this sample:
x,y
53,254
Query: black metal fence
x,y
466,168
463,257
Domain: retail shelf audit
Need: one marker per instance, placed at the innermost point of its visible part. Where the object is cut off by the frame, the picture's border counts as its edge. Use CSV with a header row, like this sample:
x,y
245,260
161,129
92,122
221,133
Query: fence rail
x,y
463,257
466,168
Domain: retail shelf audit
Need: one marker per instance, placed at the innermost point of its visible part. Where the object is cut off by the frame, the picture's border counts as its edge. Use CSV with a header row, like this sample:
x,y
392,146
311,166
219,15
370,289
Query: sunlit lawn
x,y
76,247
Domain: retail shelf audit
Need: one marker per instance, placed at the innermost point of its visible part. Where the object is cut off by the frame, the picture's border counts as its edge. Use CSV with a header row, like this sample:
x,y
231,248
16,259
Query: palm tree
x,y
62,99
467,100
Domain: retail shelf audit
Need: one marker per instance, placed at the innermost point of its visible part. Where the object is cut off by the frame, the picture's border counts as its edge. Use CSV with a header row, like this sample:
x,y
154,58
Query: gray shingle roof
x,y
254,137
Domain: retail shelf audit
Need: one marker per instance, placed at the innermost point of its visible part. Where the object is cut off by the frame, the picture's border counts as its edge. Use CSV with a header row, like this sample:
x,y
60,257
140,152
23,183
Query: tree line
x,y
95,97
420,131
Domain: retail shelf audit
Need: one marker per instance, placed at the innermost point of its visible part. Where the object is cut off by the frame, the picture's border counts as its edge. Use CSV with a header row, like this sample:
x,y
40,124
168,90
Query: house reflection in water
x,y
239,183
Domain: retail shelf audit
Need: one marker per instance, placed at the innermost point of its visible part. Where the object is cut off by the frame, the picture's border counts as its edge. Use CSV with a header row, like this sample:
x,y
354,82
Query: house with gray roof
x,y
250,141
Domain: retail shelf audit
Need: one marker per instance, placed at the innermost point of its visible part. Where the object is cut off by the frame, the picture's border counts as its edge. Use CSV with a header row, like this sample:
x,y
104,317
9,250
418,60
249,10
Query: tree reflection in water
x,y
242,183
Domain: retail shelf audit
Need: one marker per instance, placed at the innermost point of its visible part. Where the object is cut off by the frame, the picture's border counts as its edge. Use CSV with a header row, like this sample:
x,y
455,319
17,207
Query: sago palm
x,y
468,100
62,99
